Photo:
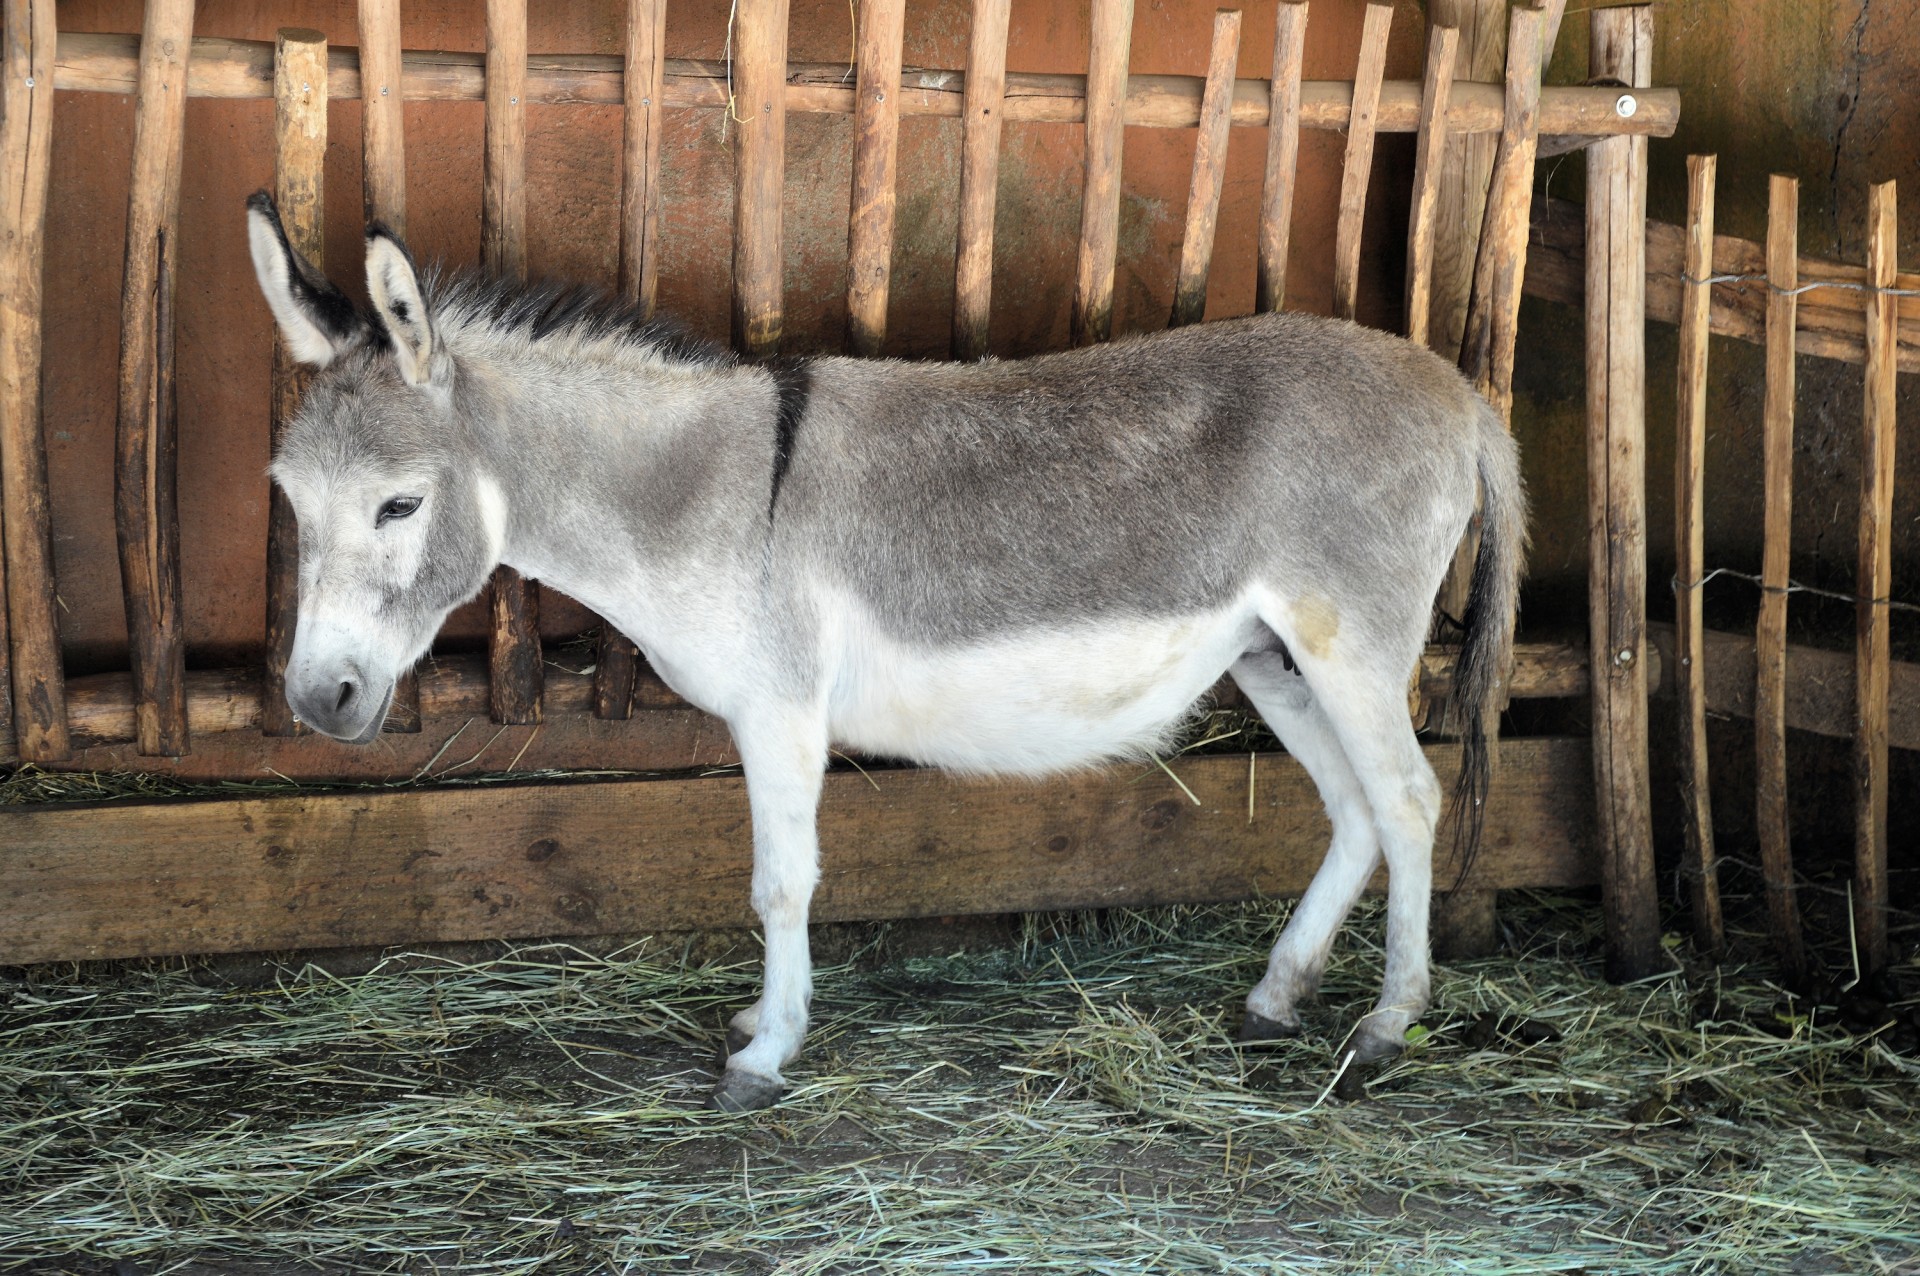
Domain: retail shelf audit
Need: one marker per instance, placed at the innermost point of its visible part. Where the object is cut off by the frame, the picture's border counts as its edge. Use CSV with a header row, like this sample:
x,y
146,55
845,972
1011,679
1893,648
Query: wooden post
x,y
299,155
617,664
32,684
1209,171
145,446
876,136
979,176
1367,75
1111,42
759,173
1621,49
1283,155
1466,165
1770,635
514,644
1443,49
1690,457
1872,652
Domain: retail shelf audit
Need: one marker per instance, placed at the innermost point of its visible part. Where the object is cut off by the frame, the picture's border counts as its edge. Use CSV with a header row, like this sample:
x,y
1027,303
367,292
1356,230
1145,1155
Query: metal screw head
x,y
29,81
383,90
513,101
1625,105
1625,657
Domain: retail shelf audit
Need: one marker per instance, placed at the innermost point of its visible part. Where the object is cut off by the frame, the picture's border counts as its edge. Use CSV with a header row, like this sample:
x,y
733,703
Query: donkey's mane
x,y
469,300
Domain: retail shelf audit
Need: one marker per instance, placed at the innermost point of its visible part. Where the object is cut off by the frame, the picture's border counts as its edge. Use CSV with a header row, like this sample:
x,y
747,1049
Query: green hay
x,y
1073,1104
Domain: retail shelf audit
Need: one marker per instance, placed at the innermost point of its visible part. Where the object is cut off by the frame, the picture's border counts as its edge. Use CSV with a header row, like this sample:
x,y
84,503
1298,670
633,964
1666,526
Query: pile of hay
x,y
1071,1104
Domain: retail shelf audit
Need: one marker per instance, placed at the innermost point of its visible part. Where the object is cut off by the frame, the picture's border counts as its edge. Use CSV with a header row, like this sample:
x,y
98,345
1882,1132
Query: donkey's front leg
x,y
785,755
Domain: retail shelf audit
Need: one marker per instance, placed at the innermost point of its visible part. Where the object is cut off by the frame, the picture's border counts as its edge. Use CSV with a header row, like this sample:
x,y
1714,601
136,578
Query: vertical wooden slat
x,y
1283,155
876,136
1621,49
144,443
1770,635
1690,457
1209,171
299,154
32,685
1466,164
759,173
1108,50
617,664
1359,162
1872,635
1443,48
979,176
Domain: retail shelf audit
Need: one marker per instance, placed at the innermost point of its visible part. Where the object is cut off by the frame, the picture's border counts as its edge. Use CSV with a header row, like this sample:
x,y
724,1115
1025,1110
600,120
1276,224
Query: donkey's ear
x,y
315,318
393,285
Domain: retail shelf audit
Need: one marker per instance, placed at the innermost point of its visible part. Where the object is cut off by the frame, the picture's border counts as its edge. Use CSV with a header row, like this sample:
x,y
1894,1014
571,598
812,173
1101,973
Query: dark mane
x,y
548,308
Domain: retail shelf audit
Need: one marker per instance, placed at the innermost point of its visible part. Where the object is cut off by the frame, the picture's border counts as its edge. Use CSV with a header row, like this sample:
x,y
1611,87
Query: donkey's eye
x,y
398,507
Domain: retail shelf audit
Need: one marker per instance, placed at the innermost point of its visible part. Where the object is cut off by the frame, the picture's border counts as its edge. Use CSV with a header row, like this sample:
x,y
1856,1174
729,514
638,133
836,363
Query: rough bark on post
x,y
1209,172
1108,49
1361,125
981,118
1283,155
876,137
759,115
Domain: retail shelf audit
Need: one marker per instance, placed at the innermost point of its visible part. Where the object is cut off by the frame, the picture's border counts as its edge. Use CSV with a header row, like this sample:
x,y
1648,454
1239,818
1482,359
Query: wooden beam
x,y
1443,50
1358,168
1110,43
1209,173
759,174
1283,155
431,865
986,91
1466,165
876,144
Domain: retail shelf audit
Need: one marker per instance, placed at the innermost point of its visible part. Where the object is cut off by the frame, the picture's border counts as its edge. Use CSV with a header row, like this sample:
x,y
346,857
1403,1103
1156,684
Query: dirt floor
x,y
1066,1100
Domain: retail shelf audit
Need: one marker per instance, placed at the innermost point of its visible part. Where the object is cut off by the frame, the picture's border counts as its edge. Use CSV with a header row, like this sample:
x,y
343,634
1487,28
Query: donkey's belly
x,y
1037,702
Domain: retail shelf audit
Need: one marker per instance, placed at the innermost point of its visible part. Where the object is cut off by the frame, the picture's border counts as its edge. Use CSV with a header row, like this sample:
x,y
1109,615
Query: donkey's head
x,y
399,524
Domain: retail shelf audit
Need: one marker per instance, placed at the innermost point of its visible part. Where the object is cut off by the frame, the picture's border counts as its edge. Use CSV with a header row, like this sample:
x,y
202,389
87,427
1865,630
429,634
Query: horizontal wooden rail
x,y
244,68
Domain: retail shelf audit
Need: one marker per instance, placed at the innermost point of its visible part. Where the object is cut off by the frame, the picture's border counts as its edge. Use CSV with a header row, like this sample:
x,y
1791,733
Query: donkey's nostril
x,y
346,696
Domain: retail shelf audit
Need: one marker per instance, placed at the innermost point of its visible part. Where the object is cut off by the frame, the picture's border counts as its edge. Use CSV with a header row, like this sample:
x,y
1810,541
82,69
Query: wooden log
x,y
32,681
1443,51
1283,155
427,865
876,137
1621,49
1770,635
1872,635
1209,173
145,446
299,192
759,174
1689,503
1367,74
1466,166
986,87
1106,94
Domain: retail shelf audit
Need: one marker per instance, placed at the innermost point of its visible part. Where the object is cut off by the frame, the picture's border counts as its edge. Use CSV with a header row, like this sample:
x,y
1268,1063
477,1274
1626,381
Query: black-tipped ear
x,y
316,319
393,285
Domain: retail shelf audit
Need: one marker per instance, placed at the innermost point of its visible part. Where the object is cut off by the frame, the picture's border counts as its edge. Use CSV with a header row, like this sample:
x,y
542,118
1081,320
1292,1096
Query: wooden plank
x,y
759,174
1209,173
1873,636
1466,166
1690,456
32,682
1106,93
985,111
1367,74
876,138
1429,157
1770,635
1621,48
1283,155
470,863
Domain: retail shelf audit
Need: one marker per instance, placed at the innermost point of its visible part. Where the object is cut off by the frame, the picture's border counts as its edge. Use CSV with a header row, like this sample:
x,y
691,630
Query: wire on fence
x,y
1792,587
1848,285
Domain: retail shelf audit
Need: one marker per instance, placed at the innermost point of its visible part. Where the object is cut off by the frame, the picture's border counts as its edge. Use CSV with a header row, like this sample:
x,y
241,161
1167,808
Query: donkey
x,y
1002,567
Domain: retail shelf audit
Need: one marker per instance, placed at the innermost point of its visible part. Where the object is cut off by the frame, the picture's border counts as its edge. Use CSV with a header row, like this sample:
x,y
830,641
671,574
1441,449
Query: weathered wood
x,y
1362,124
145,447
1621,49
985,111
1443,51
429,865
1466,166
1106,93
1284,100
1770,635
1689,503
1209,173
759,173
1872,650
32,682
876,138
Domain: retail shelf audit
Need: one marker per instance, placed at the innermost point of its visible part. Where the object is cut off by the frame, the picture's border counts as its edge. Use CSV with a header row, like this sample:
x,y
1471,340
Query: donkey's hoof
x,y
1369,1046
743,1092
1257,1027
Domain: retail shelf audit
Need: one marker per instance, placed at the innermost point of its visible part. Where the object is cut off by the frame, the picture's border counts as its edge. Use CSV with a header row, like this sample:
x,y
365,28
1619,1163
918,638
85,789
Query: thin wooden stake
x,y
1690,457
32,684
876,137
1209,171
1109,46
1283,155
1770,636
979,176
1872,652
759,113
1443,48
299,155
1367,75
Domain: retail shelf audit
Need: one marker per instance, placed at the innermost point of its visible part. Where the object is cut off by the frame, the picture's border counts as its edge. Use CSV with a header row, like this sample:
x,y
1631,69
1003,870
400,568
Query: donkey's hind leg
x,y
1293,970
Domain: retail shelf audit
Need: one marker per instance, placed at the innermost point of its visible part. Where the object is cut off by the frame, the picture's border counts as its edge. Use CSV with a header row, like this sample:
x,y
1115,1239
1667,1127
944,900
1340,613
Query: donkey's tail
x,y
1493,599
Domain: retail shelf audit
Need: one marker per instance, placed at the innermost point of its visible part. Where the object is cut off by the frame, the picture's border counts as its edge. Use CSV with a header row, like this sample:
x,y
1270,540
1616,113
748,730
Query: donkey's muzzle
x,y
344,706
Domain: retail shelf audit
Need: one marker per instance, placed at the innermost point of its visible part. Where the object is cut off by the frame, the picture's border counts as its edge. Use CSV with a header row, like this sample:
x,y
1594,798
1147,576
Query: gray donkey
x,y
999,567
